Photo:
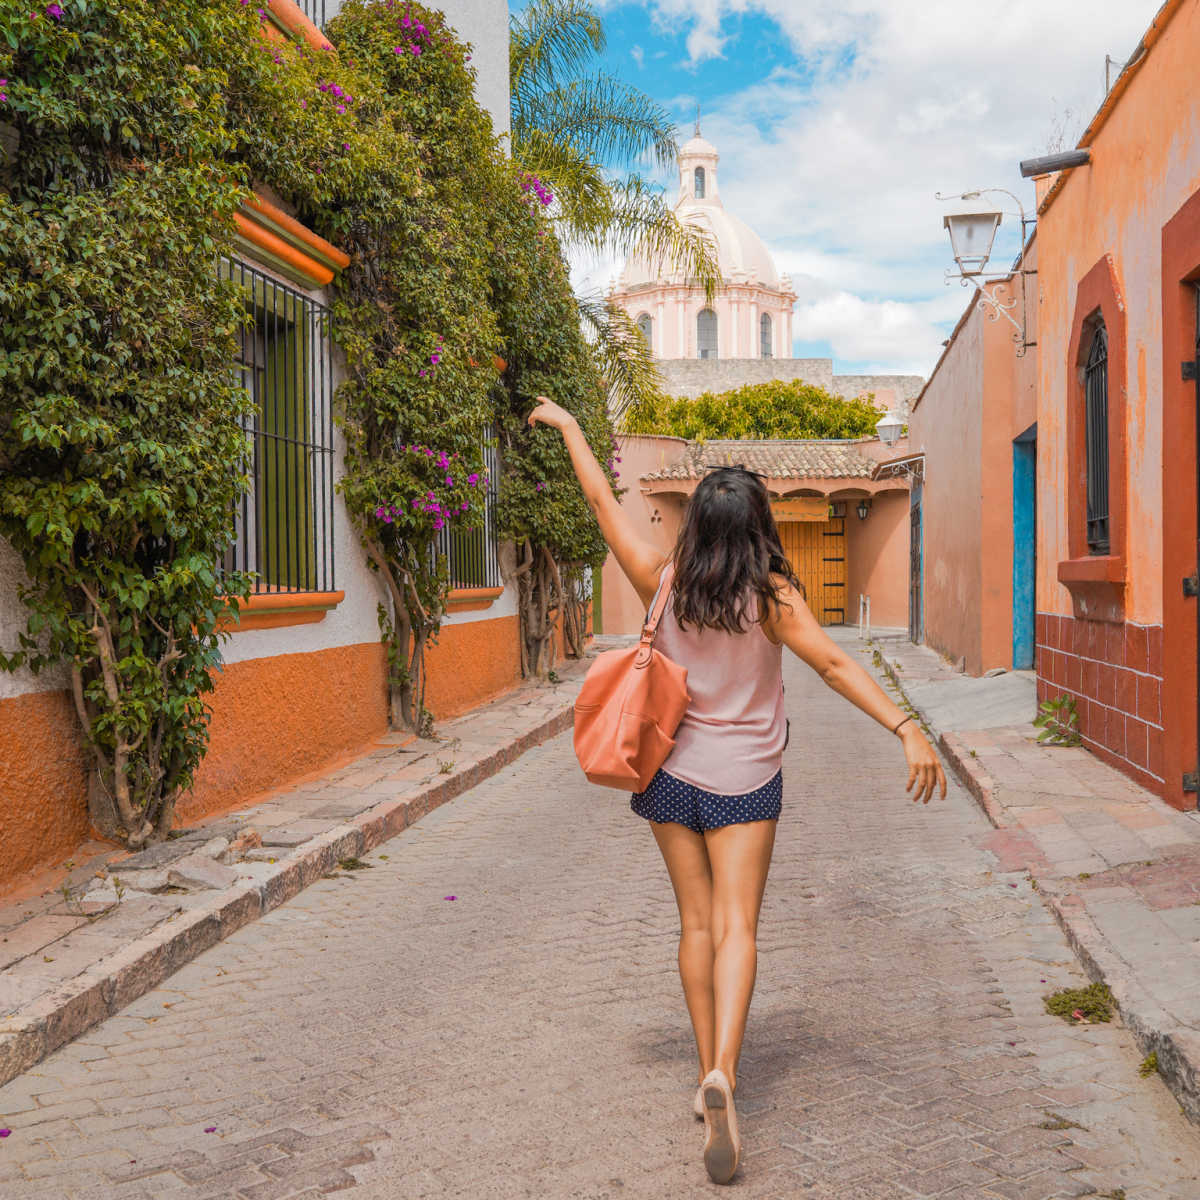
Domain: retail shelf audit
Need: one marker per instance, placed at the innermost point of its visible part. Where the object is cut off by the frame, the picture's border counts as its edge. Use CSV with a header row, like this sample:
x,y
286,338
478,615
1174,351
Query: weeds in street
x,y
1058,1121
1092,1003
354,864
445,766
1149,1065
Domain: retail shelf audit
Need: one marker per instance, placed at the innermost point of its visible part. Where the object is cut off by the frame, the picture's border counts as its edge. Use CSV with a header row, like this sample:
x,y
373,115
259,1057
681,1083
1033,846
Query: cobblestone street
x,y
492,1010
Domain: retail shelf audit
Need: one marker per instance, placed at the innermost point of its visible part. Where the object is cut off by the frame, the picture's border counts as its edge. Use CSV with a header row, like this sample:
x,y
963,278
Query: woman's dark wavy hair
x,y
727,551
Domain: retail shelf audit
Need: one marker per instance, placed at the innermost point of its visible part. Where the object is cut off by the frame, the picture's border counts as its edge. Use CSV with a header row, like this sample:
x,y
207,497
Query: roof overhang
x,y
781,488
906,466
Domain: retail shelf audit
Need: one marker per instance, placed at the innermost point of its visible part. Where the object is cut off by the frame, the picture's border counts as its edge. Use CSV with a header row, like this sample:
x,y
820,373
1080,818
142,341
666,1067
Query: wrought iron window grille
x,y
472,555
1095,382
284,523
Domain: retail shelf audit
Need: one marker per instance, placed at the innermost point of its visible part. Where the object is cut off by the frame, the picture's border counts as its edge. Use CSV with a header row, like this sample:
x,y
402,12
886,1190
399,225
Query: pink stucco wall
x,y
979,398
877,548
877,560
656,519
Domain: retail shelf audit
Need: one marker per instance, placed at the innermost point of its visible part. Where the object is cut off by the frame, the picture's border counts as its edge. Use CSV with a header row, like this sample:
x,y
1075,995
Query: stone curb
x,y
54,1019
1177,1049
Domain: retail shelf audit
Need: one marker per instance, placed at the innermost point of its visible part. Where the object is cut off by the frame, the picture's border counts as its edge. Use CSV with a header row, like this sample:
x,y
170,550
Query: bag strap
x,y
655,614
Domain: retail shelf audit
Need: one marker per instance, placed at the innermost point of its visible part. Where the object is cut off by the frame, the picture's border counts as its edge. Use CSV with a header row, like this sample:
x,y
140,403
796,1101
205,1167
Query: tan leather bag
x,y
629,707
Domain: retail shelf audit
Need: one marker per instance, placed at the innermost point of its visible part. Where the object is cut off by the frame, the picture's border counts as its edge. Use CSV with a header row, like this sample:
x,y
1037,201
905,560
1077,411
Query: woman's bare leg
x,y
739,856
686,857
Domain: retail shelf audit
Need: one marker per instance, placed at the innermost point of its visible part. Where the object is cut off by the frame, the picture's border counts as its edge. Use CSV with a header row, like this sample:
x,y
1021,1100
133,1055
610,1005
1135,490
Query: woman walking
x,y
734,604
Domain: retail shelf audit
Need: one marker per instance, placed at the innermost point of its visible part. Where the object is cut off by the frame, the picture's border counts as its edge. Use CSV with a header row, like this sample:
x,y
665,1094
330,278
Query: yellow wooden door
x,y
817,552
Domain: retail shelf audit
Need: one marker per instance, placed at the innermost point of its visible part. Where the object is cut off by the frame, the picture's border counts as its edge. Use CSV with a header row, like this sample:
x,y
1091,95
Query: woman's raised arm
x,y
640,561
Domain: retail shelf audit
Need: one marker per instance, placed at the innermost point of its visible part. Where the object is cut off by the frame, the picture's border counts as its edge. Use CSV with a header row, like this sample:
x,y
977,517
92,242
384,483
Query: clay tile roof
x,y
816,459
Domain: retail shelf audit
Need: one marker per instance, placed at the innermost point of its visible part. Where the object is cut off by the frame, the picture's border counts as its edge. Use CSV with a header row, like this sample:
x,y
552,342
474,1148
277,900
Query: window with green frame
x,y
284,523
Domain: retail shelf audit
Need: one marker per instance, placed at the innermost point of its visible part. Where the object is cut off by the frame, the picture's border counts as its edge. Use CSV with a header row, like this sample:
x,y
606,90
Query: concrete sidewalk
x,y
1118,868
120,924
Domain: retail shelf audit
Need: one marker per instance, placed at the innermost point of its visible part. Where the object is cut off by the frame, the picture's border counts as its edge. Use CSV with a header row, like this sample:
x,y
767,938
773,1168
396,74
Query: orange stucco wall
x,y
43,789
1145,163
274,720
472,663
1109,220
278,718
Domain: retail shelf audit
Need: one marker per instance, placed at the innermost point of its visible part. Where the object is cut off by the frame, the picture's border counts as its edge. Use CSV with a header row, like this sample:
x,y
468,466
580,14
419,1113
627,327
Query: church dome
x,y
743,256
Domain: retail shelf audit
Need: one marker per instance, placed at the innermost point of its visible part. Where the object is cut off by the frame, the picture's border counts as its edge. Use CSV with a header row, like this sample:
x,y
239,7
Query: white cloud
x,y
836,166
639,56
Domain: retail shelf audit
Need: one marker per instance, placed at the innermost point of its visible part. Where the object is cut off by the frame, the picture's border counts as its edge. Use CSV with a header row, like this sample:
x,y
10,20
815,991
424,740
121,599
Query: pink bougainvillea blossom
x,y
53,10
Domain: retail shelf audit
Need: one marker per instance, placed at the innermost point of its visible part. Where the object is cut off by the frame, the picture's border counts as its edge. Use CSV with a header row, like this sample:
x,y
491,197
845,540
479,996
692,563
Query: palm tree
x,y
582,132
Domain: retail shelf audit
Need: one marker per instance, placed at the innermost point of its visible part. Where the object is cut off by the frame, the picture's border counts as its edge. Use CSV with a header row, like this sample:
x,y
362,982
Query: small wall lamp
x,y
864,507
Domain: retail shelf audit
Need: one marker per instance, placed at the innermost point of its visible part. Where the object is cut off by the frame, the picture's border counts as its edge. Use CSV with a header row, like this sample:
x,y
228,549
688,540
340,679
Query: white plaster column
x,y
755,349
734,313
787,347
660,331
681,351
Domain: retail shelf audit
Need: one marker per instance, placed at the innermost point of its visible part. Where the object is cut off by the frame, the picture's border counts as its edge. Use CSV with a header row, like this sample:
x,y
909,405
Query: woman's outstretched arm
x,y
640,561
793,624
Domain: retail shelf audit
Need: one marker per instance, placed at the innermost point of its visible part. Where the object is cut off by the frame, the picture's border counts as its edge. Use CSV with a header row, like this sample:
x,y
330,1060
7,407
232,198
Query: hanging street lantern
x,y
972,233
971,237
889,428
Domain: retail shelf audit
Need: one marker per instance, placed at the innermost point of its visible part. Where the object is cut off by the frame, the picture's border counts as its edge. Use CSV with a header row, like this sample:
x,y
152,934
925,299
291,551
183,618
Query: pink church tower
x,y
751,315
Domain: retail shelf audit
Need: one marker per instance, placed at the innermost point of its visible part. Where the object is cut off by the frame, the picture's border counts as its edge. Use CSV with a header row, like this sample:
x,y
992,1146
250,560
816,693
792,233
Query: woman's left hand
x,y
924,768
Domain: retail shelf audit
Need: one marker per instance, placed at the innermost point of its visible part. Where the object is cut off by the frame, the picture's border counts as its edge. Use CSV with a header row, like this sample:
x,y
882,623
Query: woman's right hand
x,y
549,413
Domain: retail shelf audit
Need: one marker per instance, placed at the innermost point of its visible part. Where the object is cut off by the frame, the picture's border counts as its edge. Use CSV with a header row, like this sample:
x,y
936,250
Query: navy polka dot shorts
x,y
669,799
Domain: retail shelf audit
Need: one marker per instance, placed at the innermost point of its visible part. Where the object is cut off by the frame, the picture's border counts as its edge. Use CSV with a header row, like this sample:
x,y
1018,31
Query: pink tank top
x,y
731,738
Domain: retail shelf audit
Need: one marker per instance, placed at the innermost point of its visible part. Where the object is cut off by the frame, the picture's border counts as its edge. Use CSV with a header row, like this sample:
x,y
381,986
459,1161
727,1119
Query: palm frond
x,y
583,195
603,117
550,40
622,354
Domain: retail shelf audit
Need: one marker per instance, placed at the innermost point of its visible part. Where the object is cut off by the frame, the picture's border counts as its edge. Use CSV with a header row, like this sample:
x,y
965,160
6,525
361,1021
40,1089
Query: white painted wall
x,y
484,24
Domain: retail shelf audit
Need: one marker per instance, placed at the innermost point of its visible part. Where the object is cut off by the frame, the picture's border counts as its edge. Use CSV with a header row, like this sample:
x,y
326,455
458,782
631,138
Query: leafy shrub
x,y
778,409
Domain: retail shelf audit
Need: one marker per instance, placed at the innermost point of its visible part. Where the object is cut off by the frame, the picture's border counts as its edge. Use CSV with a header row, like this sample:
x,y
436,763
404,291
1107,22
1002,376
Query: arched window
x,y
1095,386
764,335
645,324
698,183
706,333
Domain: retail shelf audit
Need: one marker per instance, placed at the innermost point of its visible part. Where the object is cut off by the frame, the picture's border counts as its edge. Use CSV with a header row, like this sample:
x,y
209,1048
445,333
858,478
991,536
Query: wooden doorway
x,y
817,552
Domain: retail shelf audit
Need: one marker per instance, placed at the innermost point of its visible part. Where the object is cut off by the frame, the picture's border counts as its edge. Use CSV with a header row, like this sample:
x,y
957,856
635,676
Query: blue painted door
x,y
1024,567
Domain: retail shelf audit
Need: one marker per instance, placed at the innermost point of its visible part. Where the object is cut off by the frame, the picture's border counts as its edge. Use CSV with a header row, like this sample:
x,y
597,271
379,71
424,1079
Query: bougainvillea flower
x,y
449,897
5,1132
472,479
449,480
53,10
435,358
211,1129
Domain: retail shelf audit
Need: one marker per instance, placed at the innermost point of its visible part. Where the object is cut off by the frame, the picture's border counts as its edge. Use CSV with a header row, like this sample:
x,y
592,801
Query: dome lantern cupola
x,y
698,170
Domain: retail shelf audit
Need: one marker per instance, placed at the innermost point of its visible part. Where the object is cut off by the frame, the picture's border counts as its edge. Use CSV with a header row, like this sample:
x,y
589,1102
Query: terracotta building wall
x,y
946,425
1101,245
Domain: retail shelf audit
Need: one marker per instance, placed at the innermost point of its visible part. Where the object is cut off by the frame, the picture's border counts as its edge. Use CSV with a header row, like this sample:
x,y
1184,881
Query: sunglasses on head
x,y
734,467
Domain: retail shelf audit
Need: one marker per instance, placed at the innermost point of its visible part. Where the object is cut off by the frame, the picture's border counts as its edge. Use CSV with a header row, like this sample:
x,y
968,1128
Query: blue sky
x,y
838,120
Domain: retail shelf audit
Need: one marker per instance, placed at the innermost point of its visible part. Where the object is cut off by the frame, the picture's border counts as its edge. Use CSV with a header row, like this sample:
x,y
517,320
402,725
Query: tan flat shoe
x,y
722,1146
698,1104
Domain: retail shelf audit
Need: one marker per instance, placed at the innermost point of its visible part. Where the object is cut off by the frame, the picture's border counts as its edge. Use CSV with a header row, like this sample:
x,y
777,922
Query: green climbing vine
x,y
130,133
